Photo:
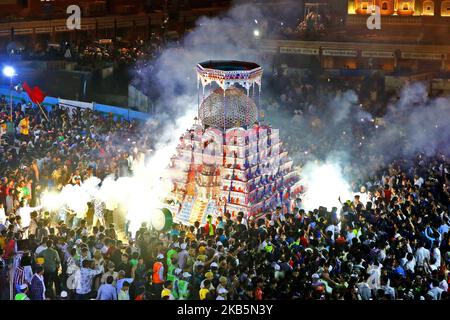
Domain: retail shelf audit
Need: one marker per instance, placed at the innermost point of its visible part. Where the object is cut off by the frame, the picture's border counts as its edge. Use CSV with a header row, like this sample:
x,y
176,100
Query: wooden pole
x,y
40,107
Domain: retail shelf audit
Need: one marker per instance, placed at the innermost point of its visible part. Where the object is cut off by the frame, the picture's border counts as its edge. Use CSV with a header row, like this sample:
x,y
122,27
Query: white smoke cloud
x,y
325,185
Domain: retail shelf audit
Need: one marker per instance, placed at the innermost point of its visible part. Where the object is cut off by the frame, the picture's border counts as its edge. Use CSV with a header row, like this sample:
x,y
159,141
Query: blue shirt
x,y
107,292
443,229
399,270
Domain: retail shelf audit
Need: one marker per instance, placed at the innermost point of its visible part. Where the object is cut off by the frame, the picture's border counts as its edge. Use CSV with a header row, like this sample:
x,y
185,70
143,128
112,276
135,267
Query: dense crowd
x,y
390,242
127,54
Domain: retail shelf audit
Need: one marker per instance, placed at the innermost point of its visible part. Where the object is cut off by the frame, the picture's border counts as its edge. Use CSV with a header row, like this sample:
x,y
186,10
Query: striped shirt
x,y
19,276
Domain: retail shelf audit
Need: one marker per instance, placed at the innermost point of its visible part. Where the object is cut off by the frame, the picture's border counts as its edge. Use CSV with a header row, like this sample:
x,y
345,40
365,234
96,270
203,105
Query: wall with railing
x,y
50,101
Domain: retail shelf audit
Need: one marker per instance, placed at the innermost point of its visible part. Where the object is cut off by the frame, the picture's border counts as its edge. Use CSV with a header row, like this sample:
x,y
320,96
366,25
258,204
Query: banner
x,y
304,51
377,54
71,104
423,56
339,53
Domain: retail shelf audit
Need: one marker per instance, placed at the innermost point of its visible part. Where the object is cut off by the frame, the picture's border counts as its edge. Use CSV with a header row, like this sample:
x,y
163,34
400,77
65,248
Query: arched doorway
x,y
445,8
428,8
405,8
386,7
364,6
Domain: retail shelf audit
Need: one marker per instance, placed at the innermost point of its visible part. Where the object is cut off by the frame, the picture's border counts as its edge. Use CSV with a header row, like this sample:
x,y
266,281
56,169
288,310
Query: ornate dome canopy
x,y
234,109
228,73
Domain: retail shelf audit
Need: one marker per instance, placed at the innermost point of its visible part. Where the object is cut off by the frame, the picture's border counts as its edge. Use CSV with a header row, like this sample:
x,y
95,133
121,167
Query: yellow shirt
x,y
203,292
24,126
166,293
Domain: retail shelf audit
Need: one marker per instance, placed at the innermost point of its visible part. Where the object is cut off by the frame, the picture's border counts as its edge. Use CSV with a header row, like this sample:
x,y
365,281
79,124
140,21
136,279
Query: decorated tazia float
x,y
229,161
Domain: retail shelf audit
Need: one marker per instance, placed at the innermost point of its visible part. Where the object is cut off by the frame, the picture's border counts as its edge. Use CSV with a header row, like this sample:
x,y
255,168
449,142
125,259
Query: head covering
x,y
209,275
160,256
21,287
222,291
183,246
186,275
63,294
165,293
178,271
214,265
219,243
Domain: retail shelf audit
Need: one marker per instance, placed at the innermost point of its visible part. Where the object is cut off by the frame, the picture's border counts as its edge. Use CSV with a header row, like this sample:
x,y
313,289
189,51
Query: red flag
x,y
28,90
36,95
39,95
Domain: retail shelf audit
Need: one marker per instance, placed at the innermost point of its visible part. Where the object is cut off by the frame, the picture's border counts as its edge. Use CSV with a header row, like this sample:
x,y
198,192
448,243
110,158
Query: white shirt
x,y
375,274
443,229
410,265
24,213
9,204
105,249
382,255
437,256
40,249
2,216
418,182
443,285
350,236
388,290
436,293
27,273
422,254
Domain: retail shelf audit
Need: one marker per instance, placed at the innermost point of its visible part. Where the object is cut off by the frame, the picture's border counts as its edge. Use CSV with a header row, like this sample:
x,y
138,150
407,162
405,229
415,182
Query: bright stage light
x,y
9,71
256,33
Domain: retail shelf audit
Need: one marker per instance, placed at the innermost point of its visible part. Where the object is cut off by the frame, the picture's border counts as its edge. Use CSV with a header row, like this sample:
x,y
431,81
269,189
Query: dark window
x,y
384,6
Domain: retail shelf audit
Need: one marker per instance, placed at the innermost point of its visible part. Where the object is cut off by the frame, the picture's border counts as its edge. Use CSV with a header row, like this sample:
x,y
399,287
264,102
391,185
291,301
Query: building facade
x,y
437,8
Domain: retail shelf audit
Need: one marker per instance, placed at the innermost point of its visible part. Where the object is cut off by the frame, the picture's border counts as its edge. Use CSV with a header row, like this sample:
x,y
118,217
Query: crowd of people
x,y
126,54
391,242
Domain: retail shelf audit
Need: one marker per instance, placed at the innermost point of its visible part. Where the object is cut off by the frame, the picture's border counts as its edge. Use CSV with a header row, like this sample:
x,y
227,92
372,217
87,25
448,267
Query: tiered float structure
x,y
228,161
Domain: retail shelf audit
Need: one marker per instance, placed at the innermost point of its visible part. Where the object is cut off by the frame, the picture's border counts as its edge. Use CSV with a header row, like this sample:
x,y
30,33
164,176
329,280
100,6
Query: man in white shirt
x,y
444,227
84,279
99,213
435,292
436,253
105,248
443,284
422,255
418,181
42,247
409,262
374,280
388,290
2,214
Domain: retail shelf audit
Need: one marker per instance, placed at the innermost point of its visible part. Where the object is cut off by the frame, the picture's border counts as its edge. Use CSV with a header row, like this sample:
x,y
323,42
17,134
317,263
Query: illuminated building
x,y
401,7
